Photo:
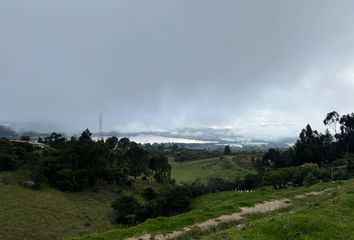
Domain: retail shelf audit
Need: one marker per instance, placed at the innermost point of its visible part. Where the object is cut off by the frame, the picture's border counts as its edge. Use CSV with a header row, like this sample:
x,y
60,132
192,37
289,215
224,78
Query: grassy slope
x,y
227,168
330,216
48,213
203,208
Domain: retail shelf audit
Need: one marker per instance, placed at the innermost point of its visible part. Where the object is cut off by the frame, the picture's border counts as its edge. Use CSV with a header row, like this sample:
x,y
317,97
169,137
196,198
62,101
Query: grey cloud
x,y
169,64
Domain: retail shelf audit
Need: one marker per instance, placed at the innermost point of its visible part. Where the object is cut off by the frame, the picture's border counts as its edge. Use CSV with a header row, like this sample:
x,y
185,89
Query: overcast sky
x,y
259,67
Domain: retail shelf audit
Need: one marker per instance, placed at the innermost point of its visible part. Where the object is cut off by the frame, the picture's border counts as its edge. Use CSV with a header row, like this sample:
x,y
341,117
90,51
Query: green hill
x,y
227,167
48,213
308,215
51,214
327,216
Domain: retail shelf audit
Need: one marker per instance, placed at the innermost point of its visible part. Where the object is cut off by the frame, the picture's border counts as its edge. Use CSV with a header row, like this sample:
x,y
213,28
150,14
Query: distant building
x,y
41,145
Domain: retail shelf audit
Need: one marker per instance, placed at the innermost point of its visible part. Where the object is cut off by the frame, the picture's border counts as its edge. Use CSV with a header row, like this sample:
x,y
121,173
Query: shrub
x,y
339,162
279,177
302,171
7,162
171,201
219,184
251,181
128,209
324,174
309,179
149,193
305,174
196,188
341,175
64,180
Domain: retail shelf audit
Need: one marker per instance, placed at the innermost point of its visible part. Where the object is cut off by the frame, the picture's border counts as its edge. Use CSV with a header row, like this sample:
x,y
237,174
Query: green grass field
x,y
51,214
48,213
330,216
214,205
228,167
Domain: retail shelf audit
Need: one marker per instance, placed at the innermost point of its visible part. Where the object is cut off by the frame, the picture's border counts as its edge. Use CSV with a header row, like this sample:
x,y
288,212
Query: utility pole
x,y
100,129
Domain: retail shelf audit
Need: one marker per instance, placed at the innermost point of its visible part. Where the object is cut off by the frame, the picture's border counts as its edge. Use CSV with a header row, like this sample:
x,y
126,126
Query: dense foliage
x,y
315,156
81,163
174,199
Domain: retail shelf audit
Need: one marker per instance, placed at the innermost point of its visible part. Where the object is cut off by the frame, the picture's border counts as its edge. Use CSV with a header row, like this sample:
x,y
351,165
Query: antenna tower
x,y
100,129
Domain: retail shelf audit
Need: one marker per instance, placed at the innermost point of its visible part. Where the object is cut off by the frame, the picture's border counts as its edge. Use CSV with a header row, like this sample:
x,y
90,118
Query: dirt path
x,y
313,193
258,208
264,207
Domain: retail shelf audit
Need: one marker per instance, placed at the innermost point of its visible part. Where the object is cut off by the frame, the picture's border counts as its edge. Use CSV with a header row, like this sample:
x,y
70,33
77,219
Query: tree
x,y
251,181
279,177
123,144
309,180
162,169
302,171
55,140
174,200
128,210
350,165
227,150
347,133
112,142
216,184
311,147
7,162
136,159
85,136
149,193
332,120
174,147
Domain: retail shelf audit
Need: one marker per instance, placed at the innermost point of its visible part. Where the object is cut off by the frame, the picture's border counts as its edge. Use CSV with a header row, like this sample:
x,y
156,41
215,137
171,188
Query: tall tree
x,y
227,150
112,142
332,121
347,132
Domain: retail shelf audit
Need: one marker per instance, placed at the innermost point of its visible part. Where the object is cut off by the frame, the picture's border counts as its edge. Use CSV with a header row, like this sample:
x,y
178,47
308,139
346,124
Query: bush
x,y
324,174
149,194
196,188
219,184
302,171
350,166
309,179
341,175
250,181
64,180
129,211
171,201
305,174
7,162
175,200
279,177
339,162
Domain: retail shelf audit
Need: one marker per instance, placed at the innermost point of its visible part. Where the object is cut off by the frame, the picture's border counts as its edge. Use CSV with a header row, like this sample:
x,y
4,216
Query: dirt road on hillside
x,y
264,207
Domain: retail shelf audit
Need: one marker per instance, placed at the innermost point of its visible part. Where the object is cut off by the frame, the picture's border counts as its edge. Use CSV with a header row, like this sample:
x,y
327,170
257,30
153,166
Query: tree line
x,y
77,164
314,156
